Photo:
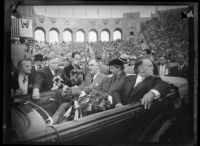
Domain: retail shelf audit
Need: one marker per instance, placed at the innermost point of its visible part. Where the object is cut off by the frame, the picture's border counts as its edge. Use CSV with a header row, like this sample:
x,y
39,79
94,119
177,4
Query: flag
x,y
25,28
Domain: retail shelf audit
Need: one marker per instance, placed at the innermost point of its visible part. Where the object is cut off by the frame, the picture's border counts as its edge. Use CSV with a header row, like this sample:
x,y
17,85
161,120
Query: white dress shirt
x,y
23,86
140,79
163,70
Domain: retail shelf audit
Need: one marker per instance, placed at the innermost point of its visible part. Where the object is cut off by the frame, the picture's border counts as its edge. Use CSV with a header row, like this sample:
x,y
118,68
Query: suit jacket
x,y
113,82
183,73
15,83
44,80
126,93
96,83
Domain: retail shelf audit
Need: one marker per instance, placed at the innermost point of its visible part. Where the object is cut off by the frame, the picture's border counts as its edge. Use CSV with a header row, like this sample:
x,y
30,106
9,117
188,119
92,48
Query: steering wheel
x,y
49,120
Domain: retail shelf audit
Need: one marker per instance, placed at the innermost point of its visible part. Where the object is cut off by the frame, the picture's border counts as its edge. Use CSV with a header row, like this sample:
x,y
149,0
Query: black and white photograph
x,y
100,72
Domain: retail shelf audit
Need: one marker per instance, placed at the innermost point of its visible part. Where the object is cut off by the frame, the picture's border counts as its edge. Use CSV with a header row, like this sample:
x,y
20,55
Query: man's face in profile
x,y
26,67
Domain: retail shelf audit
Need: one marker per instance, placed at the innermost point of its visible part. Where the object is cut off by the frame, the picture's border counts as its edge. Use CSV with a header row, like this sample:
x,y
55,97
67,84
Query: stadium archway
x,y
92,35
105,35
54,36
67,35
80,35
117,34
39,34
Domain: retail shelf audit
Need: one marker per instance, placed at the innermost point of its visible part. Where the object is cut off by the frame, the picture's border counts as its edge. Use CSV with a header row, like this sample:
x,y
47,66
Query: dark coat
x,y
15,83
183,73
126,93
44,80
112,82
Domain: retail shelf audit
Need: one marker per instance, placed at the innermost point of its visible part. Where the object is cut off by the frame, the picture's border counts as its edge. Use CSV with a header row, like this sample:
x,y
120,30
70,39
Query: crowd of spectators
x,y
165,35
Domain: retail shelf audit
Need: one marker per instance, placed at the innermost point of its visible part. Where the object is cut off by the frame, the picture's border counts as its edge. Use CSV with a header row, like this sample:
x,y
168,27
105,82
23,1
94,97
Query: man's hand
x,y
147,99
18,92
36,94
118,105
64,90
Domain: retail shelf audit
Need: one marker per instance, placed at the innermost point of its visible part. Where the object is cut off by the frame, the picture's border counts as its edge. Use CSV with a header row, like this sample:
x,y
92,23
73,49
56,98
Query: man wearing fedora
x,y
44,77
37,65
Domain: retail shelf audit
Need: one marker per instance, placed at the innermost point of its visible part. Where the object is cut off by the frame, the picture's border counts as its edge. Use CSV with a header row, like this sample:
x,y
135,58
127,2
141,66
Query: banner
x,y
25,28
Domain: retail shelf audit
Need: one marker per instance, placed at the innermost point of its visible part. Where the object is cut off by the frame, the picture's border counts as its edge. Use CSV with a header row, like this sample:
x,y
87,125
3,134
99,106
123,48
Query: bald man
x,y
143,87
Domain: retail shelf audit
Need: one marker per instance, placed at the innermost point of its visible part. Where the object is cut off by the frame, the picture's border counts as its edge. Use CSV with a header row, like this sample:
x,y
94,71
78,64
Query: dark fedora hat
x,y
38,57
116,61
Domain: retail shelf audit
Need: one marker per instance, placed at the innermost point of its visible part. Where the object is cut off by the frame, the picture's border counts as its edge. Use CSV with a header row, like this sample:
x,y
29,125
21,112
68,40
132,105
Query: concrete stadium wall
x,y
129,23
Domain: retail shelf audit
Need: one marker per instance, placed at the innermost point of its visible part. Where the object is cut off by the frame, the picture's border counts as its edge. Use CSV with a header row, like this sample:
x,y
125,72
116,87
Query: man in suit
x,y
20,81
93,80
181,70
144,86
44,78
38,64
74,65
163,67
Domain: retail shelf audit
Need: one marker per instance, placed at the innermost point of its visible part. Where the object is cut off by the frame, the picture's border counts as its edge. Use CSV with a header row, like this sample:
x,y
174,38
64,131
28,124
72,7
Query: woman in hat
x,y
118,75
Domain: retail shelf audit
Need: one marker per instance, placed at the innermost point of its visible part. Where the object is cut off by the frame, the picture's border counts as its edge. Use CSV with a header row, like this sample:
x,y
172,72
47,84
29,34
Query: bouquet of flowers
x,y
76,77
93,102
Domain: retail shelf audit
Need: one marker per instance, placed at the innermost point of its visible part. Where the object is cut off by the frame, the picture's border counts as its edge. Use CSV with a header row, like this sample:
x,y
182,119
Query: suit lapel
x,y
130,86
50,73
137,89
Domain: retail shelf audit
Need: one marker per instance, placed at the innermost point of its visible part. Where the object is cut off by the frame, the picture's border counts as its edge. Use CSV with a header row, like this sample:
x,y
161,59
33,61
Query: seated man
x,y
144,86
44,77
93,80
181,70
21,80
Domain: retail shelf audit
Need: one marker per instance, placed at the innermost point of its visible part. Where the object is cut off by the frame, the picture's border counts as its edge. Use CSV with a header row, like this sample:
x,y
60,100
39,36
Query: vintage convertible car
x,y
31,122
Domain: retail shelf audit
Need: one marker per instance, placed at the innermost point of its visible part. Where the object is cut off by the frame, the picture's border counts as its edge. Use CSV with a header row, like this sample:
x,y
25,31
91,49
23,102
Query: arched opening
x,y
67,36
80,36
53,36
117,34
105,35
92,36
39,35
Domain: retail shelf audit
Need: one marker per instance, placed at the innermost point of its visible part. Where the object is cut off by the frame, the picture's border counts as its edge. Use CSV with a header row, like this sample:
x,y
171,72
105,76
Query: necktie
x,y
24,79
91,79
